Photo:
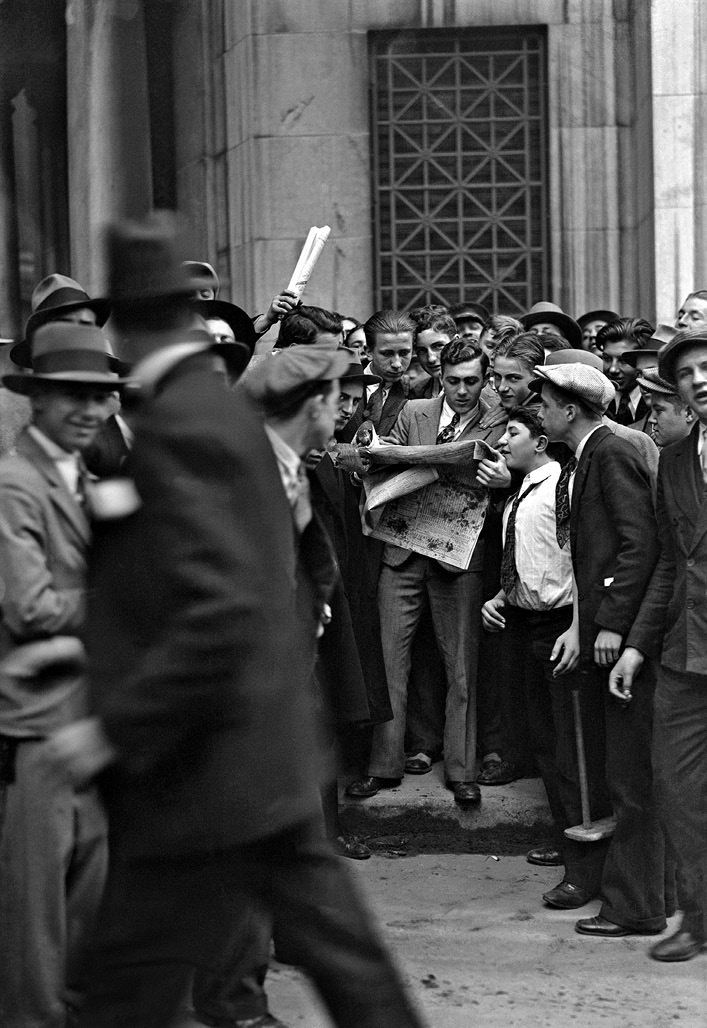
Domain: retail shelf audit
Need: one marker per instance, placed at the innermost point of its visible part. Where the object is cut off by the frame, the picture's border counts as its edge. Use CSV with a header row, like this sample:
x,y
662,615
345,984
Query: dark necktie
x,y
447,434
374,408
562,502
623,415
508,560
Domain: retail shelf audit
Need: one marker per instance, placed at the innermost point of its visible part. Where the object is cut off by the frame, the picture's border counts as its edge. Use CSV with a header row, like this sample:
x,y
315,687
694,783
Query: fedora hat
x,y
470,312
640,359
669,353
203,270
355,371
586,357
53,296
147,262
73,354
546,312
598,315
238,354
663,334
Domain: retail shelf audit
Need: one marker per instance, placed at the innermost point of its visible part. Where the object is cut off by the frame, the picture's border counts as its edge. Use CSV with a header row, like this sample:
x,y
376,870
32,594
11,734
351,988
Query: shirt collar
x,y
540,474
52,449
464,419
583,441
284,453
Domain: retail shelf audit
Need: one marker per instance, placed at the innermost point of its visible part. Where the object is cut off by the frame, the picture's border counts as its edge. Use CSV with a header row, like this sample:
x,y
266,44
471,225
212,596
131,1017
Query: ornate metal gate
x,y
460,157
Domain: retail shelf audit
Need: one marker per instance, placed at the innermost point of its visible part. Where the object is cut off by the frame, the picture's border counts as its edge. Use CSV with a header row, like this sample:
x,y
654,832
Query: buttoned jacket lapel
x,y
59,494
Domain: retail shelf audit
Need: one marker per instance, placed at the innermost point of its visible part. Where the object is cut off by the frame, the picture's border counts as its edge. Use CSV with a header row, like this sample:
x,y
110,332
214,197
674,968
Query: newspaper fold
x,y
314,244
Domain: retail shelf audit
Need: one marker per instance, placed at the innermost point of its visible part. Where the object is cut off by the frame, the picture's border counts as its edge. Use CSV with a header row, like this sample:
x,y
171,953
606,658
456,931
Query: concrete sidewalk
x,y
510,818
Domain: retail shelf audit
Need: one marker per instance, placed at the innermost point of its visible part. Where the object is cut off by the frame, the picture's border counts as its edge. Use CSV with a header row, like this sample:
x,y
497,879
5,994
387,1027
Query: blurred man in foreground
x,y
210,580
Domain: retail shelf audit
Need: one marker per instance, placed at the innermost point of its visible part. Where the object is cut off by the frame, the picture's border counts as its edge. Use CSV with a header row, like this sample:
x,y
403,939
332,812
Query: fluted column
x,y
9,257
110,172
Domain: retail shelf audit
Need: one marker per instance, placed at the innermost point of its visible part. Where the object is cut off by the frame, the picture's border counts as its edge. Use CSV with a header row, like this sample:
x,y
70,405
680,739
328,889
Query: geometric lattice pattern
x,y
460,156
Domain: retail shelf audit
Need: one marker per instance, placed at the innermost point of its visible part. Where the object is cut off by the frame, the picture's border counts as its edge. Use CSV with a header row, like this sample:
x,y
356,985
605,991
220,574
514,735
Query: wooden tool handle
x,y
581,760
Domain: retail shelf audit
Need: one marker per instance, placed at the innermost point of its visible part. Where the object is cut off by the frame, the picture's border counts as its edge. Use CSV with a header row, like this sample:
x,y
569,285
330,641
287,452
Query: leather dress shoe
x,y
348,847
544,856
420,764
465,793
682,945
566,896
497,772
602,928
362,788
264,1021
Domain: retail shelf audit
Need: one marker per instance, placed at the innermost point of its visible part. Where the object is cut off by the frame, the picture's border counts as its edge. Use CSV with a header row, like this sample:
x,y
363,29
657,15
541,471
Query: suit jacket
x,y
106,457
641,442
350,651
613,535
417,425
673,615
44,537
394,403
202,629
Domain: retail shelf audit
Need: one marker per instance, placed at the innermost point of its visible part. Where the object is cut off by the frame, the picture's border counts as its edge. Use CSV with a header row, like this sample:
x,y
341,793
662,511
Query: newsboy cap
x,y
650,379
282,382
588,384
681,341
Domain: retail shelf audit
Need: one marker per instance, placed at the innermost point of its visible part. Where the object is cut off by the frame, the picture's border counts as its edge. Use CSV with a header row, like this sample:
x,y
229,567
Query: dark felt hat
x,y
204,271
598,315
355,371
545,312
73,354
53,296
235,354
640,359
471,312
681,341
147,262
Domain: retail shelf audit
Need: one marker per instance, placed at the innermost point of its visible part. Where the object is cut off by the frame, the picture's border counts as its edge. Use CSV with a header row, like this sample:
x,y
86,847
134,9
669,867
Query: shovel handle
x,y
581,759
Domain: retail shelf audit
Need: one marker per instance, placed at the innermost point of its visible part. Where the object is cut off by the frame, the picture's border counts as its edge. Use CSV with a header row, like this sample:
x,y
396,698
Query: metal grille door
x,y
459,149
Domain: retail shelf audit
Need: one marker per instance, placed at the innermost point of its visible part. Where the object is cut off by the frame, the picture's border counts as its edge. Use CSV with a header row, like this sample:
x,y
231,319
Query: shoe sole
x,y
417,771
546,863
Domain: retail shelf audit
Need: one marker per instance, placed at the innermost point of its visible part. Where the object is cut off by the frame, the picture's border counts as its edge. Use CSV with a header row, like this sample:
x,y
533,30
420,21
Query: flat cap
x,y
284,380
586,383
681,341
650,379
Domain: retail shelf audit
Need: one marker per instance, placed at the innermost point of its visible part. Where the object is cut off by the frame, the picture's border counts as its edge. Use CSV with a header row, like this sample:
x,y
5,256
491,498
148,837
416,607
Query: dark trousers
x,y
531,639
164,916
627,871
680,761
236,991
53,858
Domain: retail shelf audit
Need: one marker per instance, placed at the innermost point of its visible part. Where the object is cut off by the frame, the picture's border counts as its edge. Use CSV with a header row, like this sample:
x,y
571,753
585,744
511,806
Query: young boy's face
x,y
518,446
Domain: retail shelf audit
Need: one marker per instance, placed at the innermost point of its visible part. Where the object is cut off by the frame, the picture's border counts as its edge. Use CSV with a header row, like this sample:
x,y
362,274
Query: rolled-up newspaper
x,y
309,256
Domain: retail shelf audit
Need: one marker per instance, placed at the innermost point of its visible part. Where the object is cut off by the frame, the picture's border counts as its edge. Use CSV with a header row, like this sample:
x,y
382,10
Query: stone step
x,y
510,818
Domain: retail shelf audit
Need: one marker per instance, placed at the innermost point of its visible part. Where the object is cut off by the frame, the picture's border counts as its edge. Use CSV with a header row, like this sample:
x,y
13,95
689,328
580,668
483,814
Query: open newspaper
x,y
426,498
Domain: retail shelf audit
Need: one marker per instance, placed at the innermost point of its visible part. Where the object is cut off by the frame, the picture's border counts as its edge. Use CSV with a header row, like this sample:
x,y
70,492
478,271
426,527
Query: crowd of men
x,y
195,626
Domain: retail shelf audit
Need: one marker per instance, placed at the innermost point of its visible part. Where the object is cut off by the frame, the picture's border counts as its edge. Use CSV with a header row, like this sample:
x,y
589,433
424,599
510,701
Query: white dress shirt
x,y
447,415
544,578
67,463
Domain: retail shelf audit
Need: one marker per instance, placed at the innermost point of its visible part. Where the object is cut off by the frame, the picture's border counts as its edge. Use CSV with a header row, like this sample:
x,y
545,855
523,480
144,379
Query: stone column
x,y
9,257
679,100
110,172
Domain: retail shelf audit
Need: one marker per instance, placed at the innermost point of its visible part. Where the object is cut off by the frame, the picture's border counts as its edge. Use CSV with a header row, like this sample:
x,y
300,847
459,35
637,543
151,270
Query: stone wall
x,y
289,144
